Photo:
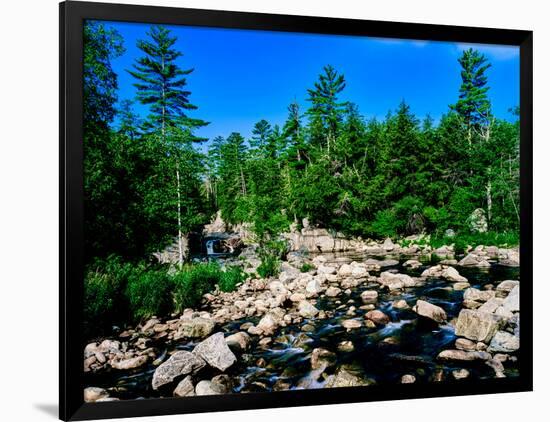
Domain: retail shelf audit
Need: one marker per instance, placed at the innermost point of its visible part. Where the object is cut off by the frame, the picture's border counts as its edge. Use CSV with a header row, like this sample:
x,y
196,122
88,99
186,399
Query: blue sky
x,y
242,76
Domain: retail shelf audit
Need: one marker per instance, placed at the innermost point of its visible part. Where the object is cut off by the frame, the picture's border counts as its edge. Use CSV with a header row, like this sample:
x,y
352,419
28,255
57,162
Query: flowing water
x,y
407,345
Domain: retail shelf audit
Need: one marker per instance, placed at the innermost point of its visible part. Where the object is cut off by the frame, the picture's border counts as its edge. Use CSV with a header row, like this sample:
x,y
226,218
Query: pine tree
x,y
326,112
162,85
129,122
473,104
261,132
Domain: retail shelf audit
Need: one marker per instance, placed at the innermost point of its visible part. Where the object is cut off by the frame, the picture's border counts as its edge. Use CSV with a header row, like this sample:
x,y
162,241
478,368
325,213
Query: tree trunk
x,y
489,198
180,240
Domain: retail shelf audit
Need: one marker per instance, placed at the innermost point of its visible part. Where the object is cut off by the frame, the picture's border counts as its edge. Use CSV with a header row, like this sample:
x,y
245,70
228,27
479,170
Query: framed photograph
x,y
266,210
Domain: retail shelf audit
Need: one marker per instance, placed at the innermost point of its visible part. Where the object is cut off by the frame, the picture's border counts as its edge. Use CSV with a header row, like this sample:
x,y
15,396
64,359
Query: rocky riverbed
x,y
355,318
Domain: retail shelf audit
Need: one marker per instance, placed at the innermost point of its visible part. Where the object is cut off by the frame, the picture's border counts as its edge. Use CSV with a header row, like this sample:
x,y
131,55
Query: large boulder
x,y
476,295
476,325
194,328
451,274
345,377
180,364
395,281
238,342
307,310
215,352
428,310
511,303
504,342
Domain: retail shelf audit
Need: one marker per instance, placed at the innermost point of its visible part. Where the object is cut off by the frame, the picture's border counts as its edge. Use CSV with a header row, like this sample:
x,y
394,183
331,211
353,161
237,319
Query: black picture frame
x,y
72,16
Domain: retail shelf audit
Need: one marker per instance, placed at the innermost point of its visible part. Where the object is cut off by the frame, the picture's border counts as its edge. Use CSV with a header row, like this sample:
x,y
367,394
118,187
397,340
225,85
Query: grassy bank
x,y
118,292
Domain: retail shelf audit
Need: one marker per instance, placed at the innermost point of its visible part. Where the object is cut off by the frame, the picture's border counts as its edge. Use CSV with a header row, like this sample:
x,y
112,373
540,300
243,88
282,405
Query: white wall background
x,y
29,207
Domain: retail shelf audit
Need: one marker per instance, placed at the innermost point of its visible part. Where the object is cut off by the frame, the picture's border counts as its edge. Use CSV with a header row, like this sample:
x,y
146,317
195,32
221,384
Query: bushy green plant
x,y
149,292
230,278
193,282
306,267
384,224
104,301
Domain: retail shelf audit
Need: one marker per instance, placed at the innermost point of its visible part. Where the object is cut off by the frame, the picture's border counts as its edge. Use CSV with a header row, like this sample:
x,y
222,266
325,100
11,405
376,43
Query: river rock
x,y
451,274
465,344
277,288
473,294
209,388
460,374
395,281
428,310
463,355
474,260
333,291
307,310
313,288
322,358
461,285
511,303
325,269
180,363
388,245
185,388
408,379
215,352
400,304
131,363
351,324
509,257
505,287
497,366
346,346
369,296
194,328
93,394
491,305
270,321
477,326
504,342
297,297
412,263
345,377
238,342
345,270
378,317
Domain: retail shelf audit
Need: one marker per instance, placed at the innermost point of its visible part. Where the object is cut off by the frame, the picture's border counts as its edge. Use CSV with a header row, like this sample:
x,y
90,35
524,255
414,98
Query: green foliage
x,y
192,282
270,255
306,267
231,278
104,294
149,292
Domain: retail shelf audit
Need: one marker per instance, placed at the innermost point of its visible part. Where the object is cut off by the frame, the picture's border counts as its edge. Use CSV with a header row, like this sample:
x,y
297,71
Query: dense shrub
x,y
104,300
149,292
230,278
270,254
193,282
